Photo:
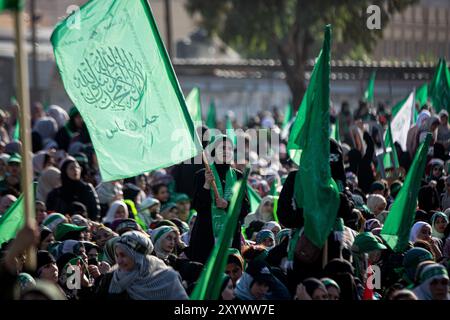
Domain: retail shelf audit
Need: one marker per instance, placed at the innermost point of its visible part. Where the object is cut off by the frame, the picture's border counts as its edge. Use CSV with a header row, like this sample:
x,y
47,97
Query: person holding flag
x,y
211,210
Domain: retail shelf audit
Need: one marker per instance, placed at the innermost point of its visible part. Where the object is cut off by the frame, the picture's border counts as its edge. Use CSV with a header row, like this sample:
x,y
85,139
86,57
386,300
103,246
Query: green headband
x,y
163,231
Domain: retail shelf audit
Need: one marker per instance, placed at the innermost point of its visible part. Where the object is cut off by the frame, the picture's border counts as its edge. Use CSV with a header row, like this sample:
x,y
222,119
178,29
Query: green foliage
x,y
255,28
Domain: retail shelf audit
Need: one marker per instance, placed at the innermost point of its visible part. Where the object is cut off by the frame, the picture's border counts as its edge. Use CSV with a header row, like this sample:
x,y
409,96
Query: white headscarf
x,y
49,180
59,114
416,230
434,271
109,217
150,278
434,232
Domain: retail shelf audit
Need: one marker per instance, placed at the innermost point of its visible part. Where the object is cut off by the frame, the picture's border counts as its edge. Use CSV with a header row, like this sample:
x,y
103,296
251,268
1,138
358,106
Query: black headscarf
x,y
69,187
342,272
311,284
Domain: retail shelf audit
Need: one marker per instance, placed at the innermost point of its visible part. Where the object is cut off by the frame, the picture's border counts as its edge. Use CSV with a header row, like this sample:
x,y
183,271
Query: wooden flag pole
x,y
208,168
24,122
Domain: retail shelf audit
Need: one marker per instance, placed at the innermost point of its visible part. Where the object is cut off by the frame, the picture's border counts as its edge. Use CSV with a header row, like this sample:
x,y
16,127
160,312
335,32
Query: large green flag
x,y
288,115
368,94
253,197
194,105
400,219
211,121
422,94
210,282
118,74
12,221
11,5
315,190
390,159
230,131
439,89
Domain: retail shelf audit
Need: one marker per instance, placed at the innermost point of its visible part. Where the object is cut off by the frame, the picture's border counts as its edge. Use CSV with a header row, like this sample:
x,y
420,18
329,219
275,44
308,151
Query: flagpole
x,y
208,168
24,122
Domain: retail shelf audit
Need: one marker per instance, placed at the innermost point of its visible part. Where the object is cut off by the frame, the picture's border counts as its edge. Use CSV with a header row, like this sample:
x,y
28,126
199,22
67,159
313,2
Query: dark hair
x,y
252,252
157,187
254,226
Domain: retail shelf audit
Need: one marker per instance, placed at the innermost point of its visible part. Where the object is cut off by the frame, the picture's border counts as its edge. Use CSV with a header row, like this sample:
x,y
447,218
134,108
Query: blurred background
x,y
251,56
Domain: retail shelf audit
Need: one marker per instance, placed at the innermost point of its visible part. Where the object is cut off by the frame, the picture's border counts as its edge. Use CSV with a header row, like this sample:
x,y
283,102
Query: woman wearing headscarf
x,y
263,213
265,238
422,231
166,240
412,258
272,226
46,238
334,291
377,205
430,124
255,283
117,210
75,128
108,252
139,275
58,114
439,222
73,189
211,214
342,272
367,251
433,283
46,127
311,289
41,161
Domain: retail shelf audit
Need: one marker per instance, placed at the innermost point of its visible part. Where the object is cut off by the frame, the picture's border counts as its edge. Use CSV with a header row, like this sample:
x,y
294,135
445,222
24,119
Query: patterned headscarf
x,y
150,278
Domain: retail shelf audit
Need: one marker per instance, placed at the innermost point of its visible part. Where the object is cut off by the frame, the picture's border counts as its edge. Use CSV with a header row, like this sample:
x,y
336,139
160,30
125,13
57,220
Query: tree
x,y
289,29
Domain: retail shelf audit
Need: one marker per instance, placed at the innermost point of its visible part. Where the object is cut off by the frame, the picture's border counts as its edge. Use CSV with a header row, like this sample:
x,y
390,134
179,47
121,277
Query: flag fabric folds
x,y
12,220
310,140
209,284
400,219
118,74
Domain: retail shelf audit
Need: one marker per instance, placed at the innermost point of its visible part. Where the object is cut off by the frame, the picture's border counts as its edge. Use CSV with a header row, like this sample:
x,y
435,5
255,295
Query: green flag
x,y
194,105
12,221
422,94
288,115
11,5
230,131
211,122
368,94
118,74
16,134
273,188
390,159
210,282
315,190
335,131
439,89
400,219
253,197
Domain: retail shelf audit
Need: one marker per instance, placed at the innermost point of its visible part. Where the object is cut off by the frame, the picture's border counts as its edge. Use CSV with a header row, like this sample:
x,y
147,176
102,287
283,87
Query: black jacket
x,y
202,238
60,201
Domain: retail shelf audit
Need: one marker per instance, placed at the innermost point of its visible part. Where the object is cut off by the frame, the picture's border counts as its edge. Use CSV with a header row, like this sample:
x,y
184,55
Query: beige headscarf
x,y
49,180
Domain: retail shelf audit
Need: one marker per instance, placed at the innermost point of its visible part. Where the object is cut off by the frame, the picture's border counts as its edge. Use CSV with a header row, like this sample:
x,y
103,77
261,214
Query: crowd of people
x,y
150,236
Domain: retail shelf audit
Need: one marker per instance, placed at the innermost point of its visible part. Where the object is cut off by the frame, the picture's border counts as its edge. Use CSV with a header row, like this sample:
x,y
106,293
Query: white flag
x,y
401,122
